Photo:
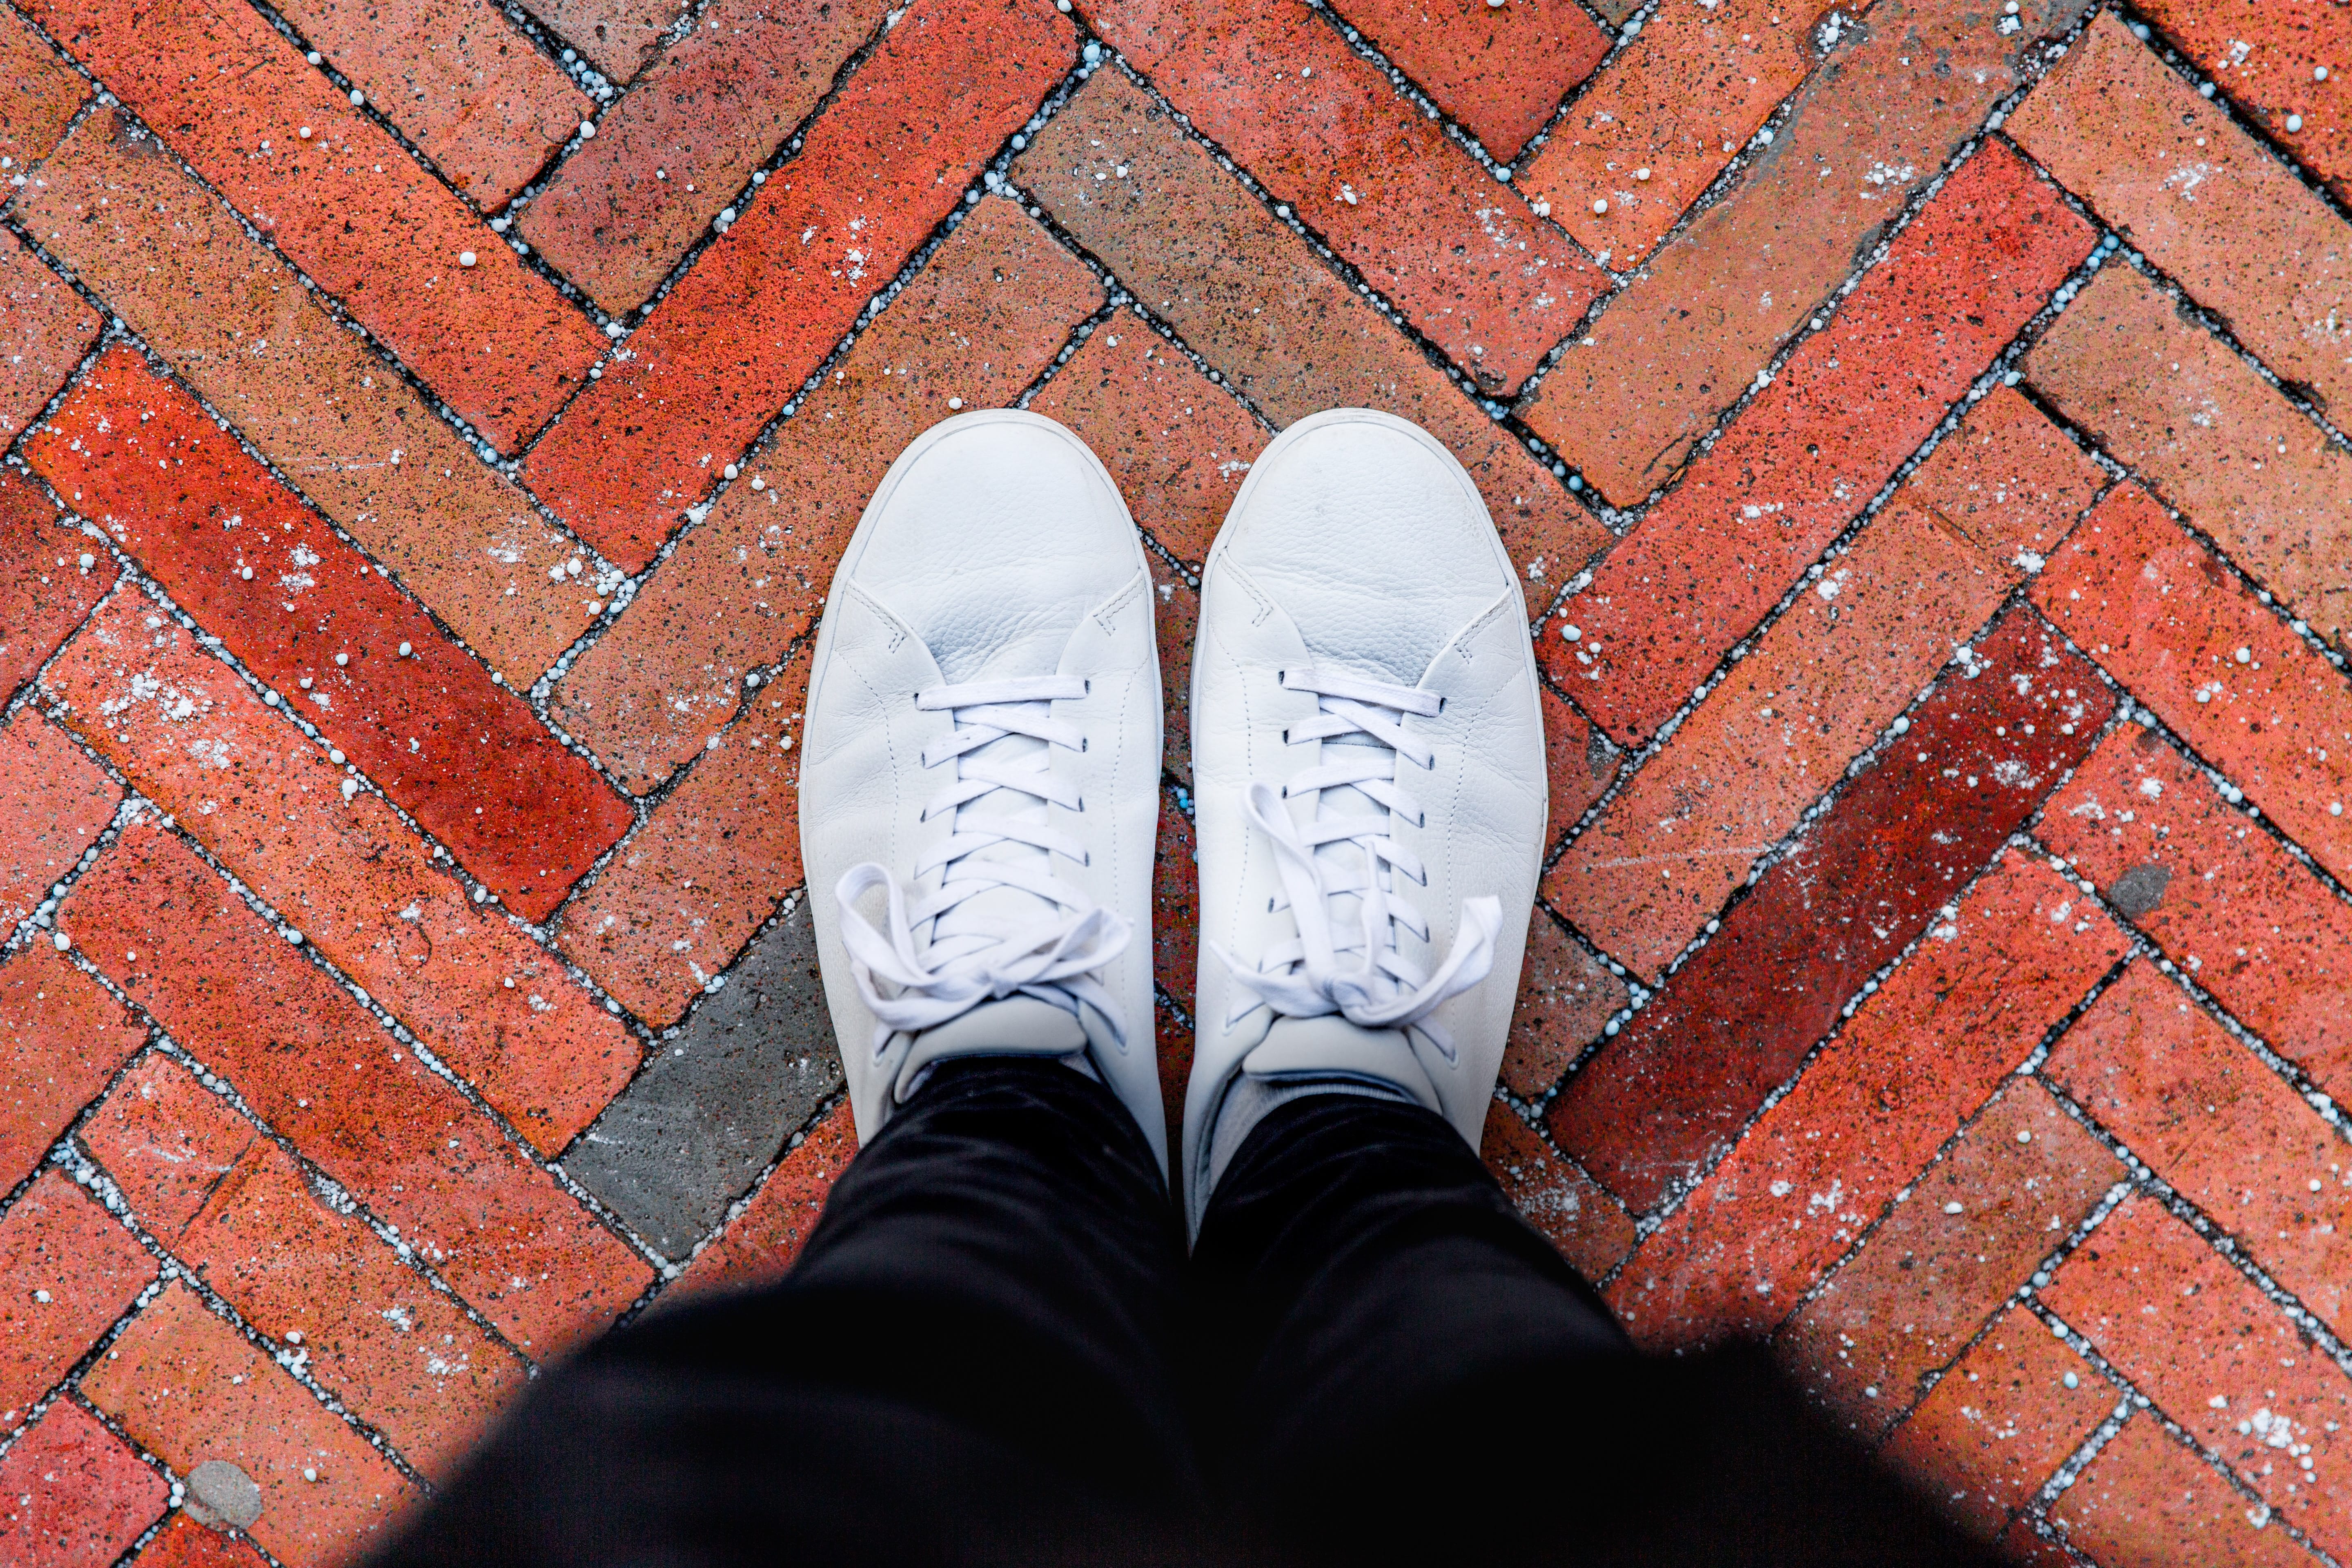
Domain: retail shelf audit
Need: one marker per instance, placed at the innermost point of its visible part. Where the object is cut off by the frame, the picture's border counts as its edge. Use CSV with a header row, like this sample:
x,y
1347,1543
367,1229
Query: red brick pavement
x,y
429,427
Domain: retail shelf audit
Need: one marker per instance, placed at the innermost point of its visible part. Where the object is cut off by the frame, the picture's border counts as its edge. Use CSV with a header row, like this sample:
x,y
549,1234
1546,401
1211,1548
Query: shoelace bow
x,y
1304,976
1053,956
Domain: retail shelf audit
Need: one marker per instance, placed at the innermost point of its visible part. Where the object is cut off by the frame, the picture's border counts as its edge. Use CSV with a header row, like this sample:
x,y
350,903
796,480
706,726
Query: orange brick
x,y
1565,996
61,1037
2146,1499
168,1141
991,311
758,1245
1174,621
1500,70
768,300
1579,762
2265,55
54,802
1962,1012
45,590
2008,478
71,1494
2145,599
2153,1068
2168,399
618,37
1590,1228
2249,921
39,94
496,343
358,885
188,1389
45,331
67,1271
180,270
671,154
2218,1357
375,1119
2204,201
185,1544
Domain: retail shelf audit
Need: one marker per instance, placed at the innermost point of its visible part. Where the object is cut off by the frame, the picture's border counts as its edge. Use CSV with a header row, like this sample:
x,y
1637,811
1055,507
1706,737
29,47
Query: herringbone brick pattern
x,y
430,428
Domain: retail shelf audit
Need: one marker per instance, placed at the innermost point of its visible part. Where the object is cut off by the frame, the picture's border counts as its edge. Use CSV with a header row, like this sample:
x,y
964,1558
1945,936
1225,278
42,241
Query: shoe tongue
x,y
1001,909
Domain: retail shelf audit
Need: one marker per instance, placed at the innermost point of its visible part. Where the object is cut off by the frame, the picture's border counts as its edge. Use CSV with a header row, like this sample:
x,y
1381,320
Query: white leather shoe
x,y
979,792
1369,769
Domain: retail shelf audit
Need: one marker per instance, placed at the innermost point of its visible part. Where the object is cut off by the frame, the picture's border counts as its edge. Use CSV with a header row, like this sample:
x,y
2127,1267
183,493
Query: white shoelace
x,y
1038,936
1333,965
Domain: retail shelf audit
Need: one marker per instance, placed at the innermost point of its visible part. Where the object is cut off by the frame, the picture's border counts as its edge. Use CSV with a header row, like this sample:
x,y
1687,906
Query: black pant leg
x,y
1407,1372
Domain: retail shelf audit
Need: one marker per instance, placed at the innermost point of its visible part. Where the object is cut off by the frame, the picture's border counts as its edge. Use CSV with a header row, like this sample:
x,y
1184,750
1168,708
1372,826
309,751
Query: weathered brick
x,y
168,1141
188,1389
2024,1545
45,590
2155,1069
2219,1357
185,1544
461,83
1590,1228
758,1244
313,1065
1565,996
2152,605
1671,110
975,326
45,331
66,1271
1174,620
1685,342
1686,1074
678,900
2147,1499
1777,732
2169,400
1277,87
1577,760
71,1494
2000,1423
180,270
1500,70
54,802
39,94
2008,478
673,152
1249,296
618,37
768,300
1967,1007
345,872
1704,566
309,615
2248,920
2015,1185
61,1037
2203,200
2264,56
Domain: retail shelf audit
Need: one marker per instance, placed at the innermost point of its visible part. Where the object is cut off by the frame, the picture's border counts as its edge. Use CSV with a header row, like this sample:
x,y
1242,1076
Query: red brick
x,y
1579,760
2164,618
2002,1198
185,1544
2008,478
66,1271
1966,1007
188,1389
2264,56
679,900
2147,1501
363,889
45,331
618,37
313,1065
2024,1545
2201,199
71,1494
1704,566
45,590
768,300
2178,405
976,325
1461,256
1834,671
168,1141
1565,996
2249,921
460,82
1676,104
1687,339
758,1244
2153,1068
61,1037
1500,71
54,802
39,94
1998,1425
1249,296
1590,1228
2216,1355
346,203
673,152
181,272
1174,620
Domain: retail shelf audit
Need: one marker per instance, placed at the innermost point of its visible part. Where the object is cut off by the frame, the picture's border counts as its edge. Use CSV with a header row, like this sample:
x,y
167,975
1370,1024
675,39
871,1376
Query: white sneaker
x,y
980,787
1368,757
